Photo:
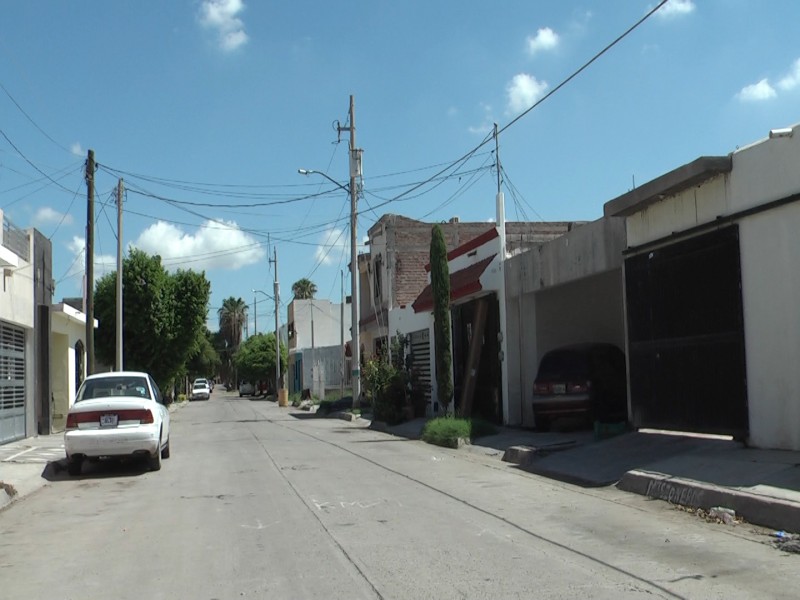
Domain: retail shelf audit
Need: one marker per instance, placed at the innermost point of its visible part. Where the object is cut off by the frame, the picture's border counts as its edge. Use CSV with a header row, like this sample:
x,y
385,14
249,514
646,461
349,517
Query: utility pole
x,y
277,290
341,327
255,314
314,373
355,173
120,192
89,291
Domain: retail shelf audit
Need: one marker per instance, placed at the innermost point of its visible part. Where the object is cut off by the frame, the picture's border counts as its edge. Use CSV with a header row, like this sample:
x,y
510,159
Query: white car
x,y
200,390
117,414
246,389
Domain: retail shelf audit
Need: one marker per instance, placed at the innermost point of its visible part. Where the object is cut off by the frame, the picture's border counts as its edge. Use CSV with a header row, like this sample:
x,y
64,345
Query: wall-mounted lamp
x,y
783,132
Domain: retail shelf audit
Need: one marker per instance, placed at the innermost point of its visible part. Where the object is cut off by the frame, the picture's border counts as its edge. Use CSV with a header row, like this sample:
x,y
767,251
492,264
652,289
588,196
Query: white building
x,y
711,290
318,332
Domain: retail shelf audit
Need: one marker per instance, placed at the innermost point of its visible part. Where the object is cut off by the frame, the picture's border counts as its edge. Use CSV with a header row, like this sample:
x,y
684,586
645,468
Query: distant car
x,y
200,390
117,414
246,389
585,380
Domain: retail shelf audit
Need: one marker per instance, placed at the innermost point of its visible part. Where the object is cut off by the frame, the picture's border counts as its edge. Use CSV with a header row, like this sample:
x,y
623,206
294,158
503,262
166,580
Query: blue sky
x,y
208,108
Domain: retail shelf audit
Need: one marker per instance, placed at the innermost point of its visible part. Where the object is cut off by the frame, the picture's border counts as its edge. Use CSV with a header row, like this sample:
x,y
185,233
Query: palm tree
x,y
232,316
304,289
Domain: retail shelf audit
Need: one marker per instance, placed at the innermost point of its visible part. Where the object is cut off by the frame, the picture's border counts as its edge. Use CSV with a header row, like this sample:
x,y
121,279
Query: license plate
x,y
108,420
559,388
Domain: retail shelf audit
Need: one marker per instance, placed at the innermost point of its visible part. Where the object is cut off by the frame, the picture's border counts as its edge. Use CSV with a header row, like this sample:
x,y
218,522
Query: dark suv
x,y
584,380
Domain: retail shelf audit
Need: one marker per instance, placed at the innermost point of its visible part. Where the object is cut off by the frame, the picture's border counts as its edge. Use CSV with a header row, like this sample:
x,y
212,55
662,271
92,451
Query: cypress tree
x,y
440,285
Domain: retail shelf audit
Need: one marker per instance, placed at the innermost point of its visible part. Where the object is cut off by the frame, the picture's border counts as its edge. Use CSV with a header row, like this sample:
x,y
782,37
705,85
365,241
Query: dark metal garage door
x,y
686,336
12,383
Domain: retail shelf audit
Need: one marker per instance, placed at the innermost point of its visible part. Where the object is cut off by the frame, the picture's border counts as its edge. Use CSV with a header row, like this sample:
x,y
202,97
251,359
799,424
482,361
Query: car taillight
x,y
578,387
541,388
146,416
143,415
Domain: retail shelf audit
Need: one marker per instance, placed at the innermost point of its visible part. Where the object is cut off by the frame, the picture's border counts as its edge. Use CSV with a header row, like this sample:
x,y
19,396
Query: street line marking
x,y
10,458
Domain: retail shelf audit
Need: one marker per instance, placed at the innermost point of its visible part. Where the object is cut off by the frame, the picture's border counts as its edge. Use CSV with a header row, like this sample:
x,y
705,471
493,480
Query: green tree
x,y
232,317
304,289
206,361
255,358
440,285
163,316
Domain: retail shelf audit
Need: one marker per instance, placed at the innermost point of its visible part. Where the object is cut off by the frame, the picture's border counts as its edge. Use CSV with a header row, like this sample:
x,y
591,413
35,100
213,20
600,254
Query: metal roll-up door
x,y
12,383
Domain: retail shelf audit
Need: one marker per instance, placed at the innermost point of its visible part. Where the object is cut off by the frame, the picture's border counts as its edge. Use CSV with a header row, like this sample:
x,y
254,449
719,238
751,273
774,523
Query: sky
x,y
207,109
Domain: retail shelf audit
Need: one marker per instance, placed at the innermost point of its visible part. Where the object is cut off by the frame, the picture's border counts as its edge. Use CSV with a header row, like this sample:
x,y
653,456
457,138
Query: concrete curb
x,y
758,509
519,455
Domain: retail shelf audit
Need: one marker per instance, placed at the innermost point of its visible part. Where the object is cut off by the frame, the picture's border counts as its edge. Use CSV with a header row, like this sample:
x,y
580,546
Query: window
x,y
377,277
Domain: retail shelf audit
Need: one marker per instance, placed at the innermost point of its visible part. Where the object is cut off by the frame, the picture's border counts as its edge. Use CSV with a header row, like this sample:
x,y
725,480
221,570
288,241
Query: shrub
x,y
445,431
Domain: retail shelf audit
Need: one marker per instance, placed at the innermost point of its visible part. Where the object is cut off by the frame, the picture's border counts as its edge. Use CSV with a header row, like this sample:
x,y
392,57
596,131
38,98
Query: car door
x,y
163,410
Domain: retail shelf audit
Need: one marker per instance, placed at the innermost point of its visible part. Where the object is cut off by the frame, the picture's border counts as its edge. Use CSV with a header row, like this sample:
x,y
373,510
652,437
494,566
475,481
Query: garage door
x,y
686,336
12,383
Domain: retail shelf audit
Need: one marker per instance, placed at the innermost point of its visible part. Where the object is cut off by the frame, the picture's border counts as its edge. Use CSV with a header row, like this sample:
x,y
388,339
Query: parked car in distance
x,y
200,390
246,389
584,380
117,414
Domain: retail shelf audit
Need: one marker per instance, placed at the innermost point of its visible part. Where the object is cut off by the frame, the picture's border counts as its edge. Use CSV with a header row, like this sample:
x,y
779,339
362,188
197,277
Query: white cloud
x,y
523,92
48,216
790,81
76,149
332,244
676,8
545,39
221,16
487,124
215,245
757,92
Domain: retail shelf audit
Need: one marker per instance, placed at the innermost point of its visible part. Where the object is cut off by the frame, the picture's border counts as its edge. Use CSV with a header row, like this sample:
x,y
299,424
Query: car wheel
x,y
165,450
154,462
74,466
240,394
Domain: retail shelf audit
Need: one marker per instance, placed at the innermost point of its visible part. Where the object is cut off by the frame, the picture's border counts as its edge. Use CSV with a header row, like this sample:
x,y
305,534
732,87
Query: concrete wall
x,y
68,327
566,291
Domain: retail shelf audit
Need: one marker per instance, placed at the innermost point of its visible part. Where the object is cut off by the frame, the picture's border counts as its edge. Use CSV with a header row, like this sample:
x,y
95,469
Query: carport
x,y
566,291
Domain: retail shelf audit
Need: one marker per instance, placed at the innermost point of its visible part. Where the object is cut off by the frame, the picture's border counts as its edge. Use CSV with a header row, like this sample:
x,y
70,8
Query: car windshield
x,y
106,387
199,385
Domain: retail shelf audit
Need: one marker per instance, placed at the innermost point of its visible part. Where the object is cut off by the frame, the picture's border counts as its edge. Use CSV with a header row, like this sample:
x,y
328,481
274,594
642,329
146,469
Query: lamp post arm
x,y
326,176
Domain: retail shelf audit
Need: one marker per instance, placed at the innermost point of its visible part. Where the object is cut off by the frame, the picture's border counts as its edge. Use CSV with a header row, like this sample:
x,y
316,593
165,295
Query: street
x,y
258,501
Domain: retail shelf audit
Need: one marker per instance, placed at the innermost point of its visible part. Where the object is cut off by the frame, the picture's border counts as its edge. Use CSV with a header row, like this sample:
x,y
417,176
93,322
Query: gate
x,y
420,345
686,336
12,383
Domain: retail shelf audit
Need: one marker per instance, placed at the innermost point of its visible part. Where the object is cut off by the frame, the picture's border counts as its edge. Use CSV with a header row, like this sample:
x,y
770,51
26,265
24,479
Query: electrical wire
x,y
27,116
27,160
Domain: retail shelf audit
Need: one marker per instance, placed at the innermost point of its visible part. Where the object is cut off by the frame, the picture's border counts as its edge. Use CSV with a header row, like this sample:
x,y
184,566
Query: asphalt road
x,y
257,502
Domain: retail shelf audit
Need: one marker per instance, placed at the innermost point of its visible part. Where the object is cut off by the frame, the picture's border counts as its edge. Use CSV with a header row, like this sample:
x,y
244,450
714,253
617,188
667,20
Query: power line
x,y
27,160
27,116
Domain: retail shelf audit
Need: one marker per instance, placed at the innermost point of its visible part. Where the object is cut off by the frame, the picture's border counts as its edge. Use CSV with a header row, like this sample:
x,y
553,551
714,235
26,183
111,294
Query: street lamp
x,y
356,346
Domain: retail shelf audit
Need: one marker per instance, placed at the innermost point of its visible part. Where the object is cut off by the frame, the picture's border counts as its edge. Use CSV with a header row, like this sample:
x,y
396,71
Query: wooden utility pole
x,y
355,175
120,192
89,270
277,290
